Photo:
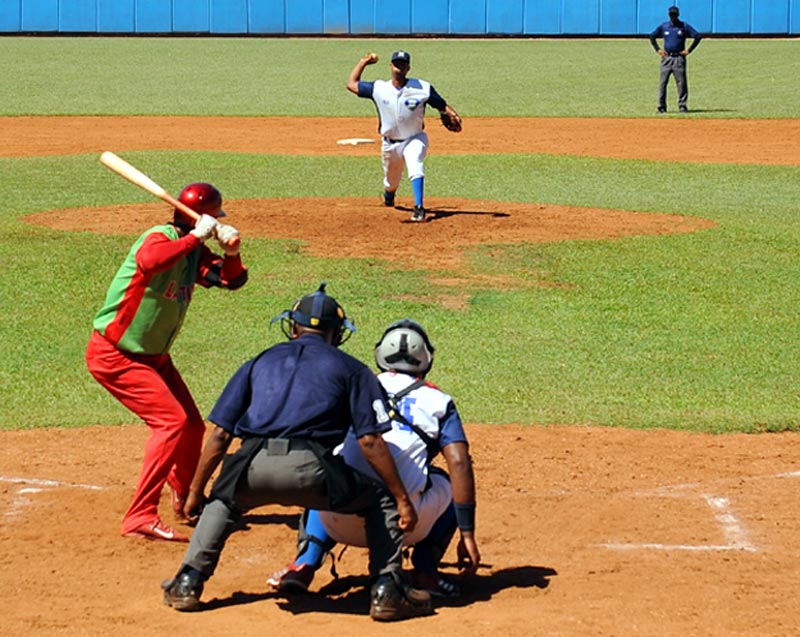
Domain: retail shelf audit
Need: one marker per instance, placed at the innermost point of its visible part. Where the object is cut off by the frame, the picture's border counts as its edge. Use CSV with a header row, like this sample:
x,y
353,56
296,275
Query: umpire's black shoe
x,y
662,110
392,600
683,109
183,592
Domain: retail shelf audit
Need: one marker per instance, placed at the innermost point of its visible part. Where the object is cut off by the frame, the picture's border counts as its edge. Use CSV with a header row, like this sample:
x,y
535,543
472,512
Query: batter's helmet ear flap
x,y
405,347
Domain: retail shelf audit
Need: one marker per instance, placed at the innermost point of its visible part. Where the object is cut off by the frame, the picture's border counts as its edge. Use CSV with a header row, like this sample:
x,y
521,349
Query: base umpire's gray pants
x,y
296,478
673,65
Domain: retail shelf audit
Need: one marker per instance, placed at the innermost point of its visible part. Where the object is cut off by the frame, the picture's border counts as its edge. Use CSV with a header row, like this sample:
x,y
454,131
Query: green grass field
x,y
695,332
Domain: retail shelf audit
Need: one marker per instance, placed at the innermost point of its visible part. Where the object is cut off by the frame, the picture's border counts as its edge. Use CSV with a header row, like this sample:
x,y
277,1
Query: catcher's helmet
x,y
317,311
405,347
203,198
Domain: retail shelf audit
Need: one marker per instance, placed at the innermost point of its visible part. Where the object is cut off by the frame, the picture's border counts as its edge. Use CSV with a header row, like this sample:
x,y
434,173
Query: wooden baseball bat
x,y
138,178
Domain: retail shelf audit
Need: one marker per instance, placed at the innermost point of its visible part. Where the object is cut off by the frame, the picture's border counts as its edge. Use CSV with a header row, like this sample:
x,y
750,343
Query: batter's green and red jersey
x,y
150,293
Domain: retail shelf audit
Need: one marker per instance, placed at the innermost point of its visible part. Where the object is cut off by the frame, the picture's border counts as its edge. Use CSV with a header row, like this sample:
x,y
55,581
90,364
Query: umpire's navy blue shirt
x,y
304,388
675,35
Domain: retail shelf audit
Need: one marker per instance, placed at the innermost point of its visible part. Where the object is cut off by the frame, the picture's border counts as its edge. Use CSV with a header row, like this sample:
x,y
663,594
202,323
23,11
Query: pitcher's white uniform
x,y
402,113
434,412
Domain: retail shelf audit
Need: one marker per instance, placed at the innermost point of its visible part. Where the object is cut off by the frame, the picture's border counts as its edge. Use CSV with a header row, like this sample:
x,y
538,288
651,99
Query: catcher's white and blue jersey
x,y
430,409
434,412
401,110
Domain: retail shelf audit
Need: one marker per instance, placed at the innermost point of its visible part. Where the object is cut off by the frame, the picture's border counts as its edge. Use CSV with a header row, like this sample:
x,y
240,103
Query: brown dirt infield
x,y
584,531
771,141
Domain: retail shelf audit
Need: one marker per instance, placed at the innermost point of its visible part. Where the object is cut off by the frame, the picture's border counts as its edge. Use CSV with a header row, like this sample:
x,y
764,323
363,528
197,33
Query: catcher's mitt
x,y
452,124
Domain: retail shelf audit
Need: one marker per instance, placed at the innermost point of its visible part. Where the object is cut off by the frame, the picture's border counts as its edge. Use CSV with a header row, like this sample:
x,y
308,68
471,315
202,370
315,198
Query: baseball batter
x,y
128,352
401,104
425,422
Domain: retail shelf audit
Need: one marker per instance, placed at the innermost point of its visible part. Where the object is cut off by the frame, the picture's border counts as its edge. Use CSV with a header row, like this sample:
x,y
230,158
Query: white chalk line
x,y
50,483
687,486
19,502
665,491
732,528
672,547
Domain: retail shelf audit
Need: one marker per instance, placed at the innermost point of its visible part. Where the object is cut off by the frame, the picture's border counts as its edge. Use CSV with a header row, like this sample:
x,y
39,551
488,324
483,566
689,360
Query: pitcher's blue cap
x,y
401,56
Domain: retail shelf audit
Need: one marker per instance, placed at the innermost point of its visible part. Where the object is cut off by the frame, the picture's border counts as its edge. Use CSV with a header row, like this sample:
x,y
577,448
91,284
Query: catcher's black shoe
x,y
392,600
388,199
183,592
435,584
418,214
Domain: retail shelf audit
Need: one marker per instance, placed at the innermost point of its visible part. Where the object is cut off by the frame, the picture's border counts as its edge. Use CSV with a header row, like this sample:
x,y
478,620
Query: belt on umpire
x,y
677,54
282,446
394,141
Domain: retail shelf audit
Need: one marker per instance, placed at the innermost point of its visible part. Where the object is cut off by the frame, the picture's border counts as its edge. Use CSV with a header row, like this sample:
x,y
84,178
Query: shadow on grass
x,y
703,110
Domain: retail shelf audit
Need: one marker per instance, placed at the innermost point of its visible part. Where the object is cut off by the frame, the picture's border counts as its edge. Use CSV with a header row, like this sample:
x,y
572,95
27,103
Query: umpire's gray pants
x,y
296,478
673,65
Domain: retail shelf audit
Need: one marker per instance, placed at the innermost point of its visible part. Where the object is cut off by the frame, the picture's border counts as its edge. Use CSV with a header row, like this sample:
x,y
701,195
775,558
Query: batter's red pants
x,y
151,387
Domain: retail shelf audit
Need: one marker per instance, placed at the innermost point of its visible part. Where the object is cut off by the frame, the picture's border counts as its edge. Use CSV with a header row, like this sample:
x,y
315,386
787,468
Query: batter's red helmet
x,y
203,198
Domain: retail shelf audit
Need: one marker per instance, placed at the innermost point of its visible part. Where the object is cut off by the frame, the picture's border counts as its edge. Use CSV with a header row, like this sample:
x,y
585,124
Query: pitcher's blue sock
x,y
418,186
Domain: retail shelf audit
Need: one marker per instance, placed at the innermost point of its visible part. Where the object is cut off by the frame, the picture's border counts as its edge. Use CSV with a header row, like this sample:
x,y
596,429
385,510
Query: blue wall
x,y
402,17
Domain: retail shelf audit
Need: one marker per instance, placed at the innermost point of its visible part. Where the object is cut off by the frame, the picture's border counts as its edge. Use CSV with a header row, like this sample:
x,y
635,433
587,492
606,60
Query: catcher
x,y
425,422
401,105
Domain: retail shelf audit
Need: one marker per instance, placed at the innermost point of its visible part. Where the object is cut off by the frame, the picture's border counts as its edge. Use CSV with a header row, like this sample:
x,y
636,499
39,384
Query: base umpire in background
x,y
673,57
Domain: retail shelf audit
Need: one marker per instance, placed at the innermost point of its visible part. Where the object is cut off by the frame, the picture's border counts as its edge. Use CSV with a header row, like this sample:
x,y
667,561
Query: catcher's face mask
x,y
405,347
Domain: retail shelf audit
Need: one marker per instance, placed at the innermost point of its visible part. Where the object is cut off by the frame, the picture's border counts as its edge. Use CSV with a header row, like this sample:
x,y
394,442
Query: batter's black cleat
x,y
183,592
393,600
419,214
388,199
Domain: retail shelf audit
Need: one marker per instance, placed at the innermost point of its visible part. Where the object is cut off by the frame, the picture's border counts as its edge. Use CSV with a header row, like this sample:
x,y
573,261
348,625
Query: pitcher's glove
x,y
453,124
